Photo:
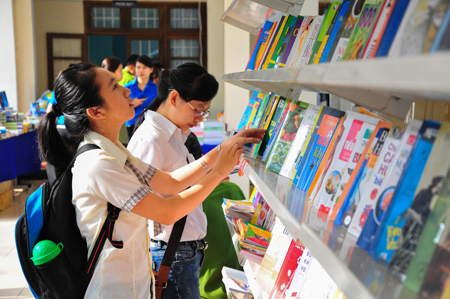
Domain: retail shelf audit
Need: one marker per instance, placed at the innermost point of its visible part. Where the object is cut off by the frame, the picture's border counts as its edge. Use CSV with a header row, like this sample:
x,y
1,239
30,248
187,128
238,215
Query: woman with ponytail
x,y
184,98
95,106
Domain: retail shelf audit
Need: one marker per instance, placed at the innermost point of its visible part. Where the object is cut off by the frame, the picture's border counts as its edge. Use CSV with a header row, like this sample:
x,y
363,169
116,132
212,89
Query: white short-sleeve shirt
x,y
160,143
101,176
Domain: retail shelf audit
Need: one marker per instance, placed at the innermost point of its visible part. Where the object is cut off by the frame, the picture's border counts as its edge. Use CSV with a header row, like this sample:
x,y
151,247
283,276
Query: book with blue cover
x,y
276,131
391,226
245,120
262,38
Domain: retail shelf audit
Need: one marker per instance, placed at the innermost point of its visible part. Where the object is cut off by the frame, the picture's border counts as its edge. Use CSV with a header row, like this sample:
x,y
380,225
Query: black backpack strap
x,y
105,233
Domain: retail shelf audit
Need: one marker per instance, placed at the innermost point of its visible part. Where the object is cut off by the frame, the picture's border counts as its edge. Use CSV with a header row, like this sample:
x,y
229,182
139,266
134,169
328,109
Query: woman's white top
x,y
110,174
160,143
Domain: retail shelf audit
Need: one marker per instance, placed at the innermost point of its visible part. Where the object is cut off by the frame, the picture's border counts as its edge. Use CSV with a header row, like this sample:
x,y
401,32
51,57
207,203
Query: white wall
x,y
8,74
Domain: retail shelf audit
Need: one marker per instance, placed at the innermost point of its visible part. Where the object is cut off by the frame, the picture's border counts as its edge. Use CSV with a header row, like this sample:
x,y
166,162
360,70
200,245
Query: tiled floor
x,y
12,281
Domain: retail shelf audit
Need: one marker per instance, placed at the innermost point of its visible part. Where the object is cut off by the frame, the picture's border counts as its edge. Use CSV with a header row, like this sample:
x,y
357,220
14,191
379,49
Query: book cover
x,y
288,131
282,40
297,46
247,112
345,146
383,197
259,45
380,171
341,18
417,215
256,105
363,29
327,20
235,280
263,215
439,10
377,32
392,26
265,45
266,120
300,138
274,41
442,42
287,46
345,31
308,43
391,226
318,148
434,237
295,285
360,186
413,30
254,234
276,131
362,147
277,114
262,103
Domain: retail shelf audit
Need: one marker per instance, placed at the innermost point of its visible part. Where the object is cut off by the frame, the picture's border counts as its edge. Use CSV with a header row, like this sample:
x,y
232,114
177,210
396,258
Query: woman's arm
x,y
168,210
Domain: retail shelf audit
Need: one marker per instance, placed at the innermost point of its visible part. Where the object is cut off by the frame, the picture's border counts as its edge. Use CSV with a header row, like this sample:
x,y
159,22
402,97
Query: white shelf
x,y
328,243
250,15
388,85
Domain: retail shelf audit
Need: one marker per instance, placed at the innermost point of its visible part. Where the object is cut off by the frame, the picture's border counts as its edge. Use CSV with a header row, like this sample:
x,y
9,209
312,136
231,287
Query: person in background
x,y
184,97
114,65
95,107
143,90
128,70
157,69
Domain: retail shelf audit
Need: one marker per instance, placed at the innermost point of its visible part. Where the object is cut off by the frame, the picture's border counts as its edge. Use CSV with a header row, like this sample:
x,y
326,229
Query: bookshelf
x,y
387,85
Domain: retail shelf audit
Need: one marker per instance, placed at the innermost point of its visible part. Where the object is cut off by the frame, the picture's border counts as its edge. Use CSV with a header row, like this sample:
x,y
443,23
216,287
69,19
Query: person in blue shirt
x,y
143,90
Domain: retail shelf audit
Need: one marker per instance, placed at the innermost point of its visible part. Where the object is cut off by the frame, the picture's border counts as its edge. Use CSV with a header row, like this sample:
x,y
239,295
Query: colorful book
x,y
327,20
258,97
383,197
288,131
266,120
260,105
345,31
298,43
259,45
341,17
392,26
276,117
247,112
273,42
281,41
288,44
363,29
298,278
309,41
391,226
300,138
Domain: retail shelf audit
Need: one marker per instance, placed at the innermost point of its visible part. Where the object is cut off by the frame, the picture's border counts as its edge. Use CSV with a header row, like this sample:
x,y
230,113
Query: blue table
x,y
19,155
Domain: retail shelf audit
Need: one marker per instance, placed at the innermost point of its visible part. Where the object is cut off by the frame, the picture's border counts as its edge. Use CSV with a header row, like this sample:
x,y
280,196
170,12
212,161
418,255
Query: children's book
x,y
442,42
368,134
263,215
391,226
363,29
273,42
435,237
266,120
383,197
417,215
256,106
281,41
439,10
345,146
318,148
248,111
360,184
253,234
412,33
288,130
345,32
327,20
309,41
235,280
300,138
276,131
392,26
377,32
341,16
261,109
259,45
276,117
239,209
380,171
288,44
298,43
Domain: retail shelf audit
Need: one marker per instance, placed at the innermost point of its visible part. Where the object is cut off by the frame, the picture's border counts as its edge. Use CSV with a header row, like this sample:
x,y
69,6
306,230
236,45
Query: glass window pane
x,y
186,18
184,48
145,47
177,62
145,18
105,17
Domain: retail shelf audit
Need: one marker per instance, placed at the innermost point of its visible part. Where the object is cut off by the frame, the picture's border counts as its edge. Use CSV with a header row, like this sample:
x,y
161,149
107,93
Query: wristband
x,y
205,166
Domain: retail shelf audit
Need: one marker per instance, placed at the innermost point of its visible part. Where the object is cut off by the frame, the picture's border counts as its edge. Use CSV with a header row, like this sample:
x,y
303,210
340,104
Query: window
x,y
62,50
171,33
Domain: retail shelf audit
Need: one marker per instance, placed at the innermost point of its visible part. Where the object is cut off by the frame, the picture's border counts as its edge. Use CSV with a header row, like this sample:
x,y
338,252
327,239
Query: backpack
x,y
50,215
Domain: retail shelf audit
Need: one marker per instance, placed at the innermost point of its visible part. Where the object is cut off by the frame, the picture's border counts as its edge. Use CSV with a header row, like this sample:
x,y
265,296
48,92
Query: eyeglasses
x,y
197,113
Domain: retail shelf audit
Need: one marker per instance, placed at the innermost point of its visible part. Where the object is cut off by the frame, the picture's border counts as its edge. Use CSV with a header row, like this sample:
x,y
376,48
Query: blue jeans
x,y
184,274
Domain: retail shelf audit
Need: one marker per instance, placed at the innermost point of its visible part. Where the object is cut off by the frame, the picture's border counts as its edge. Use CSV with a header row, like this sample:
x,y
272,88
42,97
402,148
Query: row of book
x,y
287,269
353,29
378,179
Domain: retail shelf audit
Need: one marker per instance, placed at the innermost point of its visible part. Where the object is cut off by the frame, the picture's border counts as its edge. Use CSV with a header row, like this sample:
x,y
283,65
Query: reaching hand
x,y
228,159
244,137
137,102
